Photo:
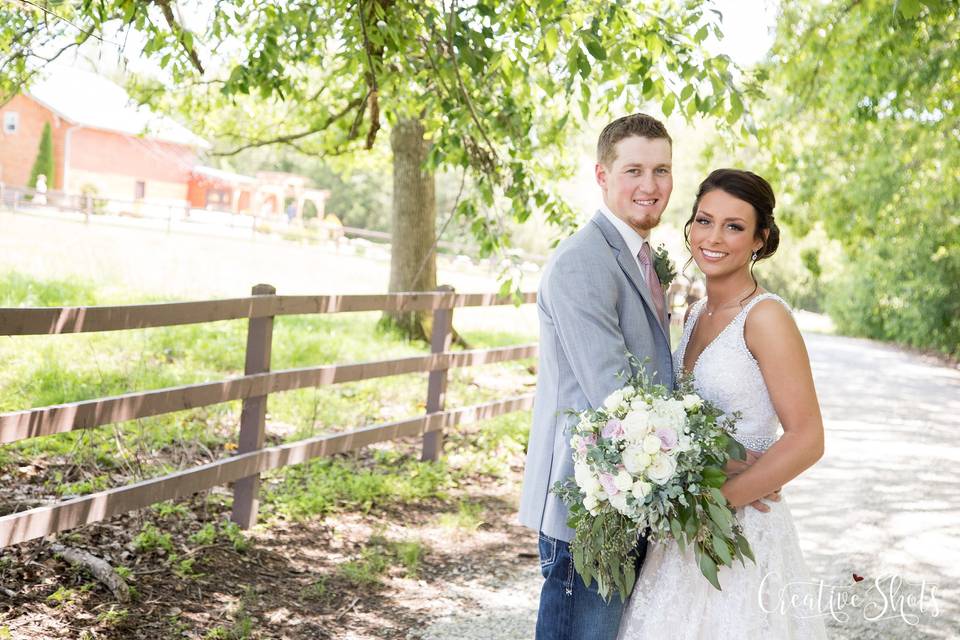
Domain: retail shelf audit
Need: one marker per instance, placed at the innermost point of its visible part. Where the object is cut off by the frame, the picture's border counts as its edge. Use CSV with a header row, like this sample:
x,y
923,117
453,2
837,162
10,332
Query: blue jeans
x,y
569,610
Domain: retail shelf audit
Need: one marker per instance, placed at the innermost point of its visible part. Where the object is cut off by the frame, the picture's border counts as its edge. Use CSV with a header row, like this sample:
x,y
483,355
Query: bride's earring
x,y
754,257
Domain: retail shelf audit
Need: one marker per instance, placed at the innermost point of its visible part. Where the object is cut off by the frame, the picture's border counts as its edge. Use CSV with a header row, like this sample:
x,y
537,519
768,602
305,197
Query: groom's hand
x,y
736,467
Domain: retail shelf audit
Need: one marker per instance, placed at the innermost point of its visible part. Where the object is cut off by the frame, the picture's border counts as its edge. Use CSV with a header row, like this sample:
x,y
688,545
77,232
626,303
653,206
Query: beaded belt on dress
x,y
757,443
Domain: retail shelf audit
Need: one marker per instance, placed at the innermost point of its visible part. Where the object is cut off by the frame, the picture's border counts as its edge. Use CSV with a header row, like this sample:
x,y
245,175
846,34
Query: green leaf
x,y
909,8
734,449
714,477
736,110
595,48
675,529
723,552
686,93
550,41
718,496
584,64
744,546
709,570
668,104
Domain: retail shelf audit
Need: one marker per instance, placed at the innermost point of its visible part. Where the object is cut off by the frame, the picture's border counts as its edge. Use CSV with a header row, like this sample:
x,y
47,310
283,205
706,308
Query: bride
x,y
747,355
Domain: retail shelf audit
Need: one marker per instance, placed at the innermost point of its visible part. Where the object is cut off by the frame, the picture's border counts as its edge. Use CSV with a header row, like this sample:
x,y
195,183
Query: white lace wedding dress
x,y
672,600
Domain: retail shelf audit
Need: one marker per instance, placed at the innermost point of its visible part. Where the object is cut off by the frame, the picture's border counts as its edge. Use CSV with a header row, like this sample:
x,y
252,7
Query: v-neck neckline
x,y
696,323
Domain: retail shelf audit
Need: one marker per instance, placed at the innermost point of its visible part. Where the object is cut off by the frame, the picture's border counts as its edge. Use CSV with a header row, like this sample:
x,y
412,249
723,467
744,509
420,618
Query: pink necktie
x,y
653,282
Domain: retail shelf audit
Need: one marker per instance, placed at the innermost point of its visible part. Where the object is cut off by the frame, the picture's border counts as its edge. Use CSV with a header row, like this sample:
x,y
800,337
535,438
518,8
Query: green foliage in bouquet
x,y
650,461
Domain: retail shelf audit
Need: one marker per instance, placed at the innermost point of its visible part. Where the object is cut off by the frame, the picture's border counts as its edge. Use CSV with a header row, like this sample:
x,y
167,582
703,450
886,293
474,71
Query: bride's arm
x,y
774,340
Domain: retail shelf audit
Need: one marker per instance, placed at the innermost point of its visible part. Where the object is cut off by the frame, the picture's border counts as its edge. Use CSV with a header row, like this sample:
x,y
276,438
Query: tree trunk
x,y
413,263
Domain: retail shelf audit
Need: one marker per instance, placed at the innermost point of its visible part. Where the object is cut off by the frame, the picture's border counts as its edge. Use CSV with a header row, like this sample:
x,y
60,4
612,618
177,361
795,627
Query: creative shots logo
x,y
882,598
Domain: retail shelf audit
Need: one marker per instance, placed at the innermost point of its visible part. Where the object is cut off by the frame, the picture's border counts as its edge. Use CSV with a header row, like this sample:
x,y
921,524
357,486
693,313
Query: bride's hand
x,y
760,506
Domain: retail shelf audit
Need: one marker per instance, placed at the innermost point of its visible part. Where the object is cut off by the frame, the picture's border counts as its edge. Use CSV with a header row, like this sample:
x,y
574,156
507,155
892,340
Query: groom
x,y
599,298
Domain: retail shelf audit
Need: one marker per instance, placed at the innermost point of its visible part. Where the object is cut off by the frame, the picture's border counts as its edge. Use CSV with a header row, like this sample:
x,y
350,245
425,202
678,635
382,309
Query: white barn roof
x,y
88,99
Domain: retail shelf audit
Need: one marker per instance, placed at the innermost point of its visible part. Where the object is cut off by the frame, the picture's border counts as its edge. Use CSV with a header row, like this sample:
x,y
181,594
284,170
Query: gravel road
x,y
882,503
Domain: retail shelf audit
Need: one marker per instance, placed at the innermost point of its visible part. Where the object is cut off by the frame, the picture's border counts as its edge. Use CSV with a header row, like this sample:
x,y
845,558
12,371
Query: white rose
x,y
651,444
636,424
668,413
623,480
587,482
619,502
635,459
641,490
684,443
692,402
662,468
591,503
614,400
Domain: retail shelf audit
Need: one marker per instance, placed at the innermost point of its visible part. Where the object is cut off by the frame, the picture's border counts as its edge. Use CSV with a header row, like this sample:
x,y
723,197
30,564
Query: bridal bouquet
x,y
650,460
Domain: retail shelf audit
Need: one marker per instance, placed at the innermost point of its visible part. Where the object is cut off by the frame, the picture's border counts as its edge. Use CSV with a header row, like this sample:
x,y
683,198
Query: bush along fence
x,y
251,459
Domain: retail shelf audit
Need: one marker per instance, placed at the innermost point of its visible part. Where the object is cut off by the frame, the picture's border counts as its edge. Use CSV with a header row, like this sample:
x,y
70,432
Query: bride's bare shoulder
x,y
770,324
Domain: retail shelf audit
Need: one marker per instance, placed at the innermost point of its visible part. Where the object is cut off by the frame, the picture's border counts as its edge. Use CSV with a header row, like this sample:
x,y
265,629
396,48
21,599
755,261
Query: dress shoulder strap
x,y
695,312
763,296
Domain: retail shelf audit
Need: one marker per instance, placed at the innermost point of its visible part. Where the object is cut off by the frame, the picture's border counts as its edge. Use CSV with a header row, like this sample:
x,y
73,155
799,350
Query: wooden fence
x,y
253,388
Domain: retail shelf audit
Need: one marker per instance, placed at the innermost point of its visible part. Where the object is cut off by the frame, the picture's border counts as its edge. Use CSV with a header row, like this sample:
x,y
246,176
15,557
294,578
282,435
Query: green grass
x,y
324,486
151,539
367,569
45,370
468,517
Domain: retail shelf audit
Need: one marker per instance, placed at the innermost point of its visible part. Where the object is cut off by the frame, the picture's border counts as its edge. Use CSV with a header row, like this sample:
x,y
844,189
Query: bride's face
x,y
724,234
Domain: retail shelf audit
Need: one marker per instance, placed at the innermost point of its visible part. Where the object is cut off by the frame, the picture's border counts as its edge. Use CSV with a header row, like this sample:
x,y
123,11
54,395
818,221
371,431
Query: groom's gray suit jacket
x,y
594,306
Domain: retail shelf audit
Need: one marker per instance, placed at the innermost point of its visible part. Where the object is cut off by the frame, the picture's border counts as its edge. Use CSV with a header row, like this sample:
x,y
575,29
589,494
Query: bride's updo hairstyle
x,y
752,189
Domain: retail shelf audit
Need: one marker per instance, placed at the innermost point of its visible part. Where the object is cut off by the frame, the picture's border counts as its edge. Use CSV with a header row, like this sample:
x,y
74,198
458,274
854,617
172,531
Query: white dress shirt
x,y
633,239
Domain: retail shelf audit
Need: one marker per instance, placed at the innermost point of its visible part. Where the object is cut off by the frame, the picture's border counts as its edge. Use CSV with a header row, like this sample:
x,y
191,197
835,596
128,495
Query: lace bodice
x,y
727,374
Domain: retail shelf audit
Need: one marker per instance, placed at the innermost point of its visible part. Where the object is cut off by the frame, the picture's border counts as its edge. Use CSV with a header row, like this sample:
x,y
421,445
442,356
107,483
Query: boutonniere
x,y
664,266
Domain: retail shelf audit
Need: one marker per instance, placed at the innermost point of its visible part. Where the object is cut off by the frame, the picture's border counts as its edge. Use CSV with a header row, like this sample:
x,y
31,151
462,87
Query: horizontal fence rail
x,y
253,388
44,421
57,320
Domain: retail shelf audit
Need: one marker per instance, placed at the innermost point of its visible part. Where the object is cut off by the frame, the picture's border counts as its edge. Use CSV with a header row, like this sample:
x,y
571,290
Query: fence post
x,y
254,413
437,382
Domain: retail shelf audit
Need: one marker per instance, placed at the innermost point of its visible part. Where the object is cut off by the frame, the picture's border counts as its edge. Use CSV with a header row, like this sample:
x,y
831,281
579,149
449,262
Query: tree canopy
x,y
862,129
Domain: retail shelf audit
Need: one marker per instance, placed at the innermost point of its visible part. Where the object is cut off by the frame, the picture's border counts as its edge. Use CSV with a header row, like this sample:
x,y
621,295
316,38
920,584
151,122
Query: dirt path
x,y
882,502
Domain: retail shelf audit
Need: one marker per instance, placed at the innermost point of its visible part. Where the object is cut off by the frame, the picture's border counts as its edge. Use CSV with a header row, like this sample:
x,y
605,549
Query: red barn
x,y
102,142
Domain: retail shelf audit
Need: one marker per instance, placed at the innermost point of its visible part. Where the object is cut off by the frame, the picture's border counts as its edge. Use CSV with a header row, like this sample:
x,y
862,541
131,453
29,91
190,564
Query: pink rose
x,y
613,429
668,438
608,484
581,446
590,439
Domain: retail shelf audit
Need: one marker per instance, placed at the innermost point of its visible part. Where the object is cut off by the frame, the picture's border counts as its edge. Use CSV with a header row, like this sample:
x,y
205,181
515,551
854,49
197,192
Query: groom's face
x,y
637,184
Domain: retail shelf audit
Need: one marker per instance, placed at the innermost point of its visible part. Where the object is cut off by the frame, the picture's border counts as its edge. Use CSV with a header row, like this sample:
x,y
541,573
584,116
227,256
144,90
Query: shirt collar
x,y
633,239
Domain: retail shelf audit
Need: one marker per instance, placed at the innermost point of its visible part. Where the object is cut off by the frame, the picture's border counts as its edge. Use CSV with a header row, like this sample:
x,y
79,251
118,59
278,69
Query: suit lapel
x,y
628,265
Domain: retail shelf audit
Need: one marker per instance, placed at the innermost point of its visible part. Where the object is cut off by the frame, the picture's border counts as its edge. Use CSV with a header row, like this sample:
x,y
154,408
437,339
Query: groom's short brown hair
x,y
636,124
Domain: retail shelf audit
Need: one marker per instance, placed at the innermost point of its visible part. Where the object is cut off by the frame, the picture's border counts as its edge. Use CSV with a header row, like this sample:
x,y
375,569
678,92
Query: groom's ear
x,y
600,171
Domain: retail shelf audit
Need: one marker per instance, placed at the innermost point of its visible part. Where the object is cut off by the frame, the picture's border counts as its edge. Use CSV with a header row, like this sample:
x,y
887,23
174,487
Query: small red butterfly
x,y
857,578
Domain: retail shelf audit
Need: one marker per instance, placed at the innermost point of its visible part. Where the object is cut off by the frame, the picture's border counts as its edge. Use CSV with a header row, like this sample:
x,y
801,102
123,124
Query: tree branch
x,y
371,78
48,12
286,139
178,32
